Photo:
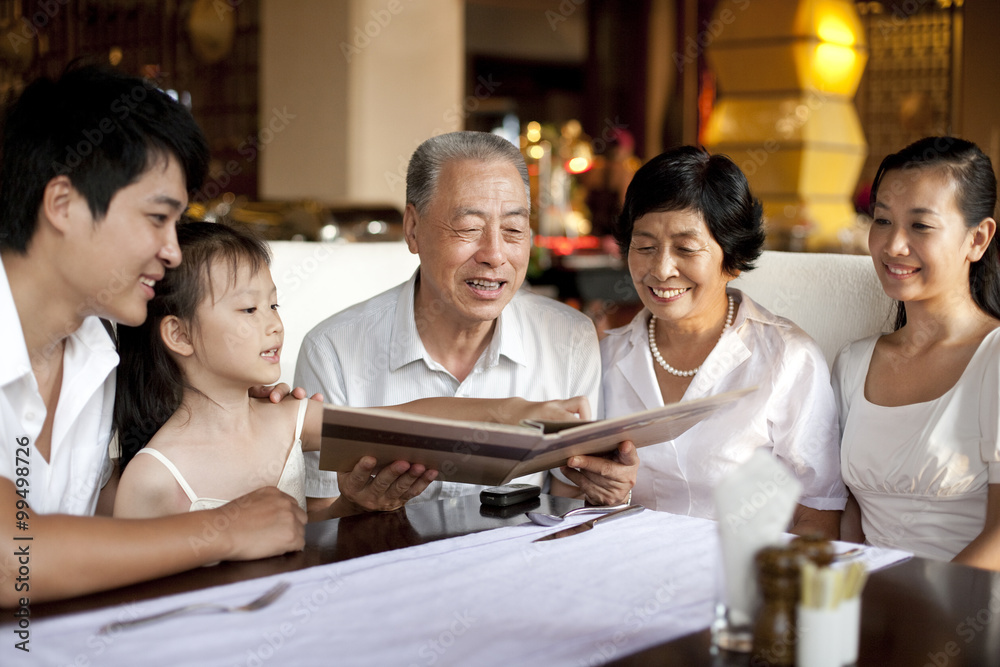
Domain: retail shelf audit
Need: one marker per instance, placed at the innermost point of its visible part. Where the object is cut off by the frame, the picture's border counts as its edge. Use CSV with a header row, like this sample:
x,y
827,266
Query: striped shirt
x,y
370,355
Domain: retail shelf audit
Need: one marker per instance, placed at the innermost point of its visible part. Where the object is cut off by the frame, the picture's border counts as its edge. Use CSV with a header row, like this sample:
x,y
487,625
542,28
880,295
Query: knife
x,y
587,525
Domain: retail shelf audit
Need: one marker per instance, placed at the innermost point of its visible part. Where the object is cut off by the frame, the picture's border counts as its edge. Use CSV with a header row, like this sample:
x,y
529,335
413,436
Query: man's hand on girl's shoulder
x,y
280,392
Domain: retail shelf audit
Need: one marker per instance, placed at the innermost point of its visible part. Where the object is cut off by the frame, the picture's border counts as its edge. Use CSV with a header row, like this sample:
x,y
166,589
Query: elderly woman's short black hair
x,y
689,179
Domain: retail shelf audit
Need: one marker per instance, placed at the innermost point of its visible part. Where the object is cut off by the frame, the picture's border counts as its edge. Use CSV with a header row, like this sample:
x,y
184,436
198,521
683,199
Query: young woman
x,y
192,438
920,407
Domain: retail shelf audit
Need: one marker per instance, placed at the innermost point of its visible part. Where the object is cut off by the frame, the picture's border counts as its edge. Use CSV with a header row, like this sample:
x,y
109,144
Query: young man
x,y
95,174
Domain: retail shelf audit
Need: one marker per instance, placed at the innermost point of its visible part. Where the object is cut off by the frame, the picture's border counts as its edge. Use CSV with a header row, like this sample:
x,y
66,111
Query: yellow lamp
x,y
787,72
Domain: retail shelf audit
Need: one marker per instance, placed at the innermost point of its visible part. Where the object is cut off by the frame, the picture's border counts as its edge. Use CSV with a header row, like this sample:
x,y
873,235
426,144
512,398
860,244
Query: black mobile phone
x,y
508,494
518,510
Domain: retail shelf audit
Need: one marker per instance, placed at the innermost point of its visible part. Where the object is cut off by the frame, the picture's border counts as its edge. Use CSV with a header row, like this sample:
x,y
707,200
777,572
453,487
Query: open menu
x,y
492,454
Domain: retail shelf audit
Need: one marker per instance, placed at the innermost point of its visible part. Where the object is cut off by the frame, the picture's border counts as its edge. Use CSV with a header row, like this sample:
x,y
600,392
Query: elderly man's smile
x,y
486,287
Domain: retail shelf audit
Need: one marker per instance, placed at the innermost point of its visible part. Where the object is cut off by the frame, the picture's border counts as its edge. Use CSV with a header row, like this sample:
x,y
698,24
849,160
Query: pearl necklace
x,y
659,358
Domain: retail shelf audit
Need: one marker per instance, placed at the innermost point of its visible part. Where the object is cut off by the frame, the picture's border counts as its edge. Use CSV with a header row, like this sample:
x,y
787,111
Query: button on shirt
x,y
371,355
792,414
79,465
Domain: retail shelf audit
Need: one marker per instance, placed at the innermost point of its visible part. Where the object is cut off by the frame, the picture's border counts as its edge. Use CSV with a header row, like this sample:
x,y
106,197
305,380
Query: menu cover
x,y
492,454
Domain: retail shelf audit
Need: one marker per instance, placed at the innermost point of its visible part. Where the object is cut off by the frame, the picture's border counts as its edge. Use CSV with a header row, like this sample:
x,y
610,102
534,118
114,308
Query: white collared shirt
x,y
370,355
793,413
79,465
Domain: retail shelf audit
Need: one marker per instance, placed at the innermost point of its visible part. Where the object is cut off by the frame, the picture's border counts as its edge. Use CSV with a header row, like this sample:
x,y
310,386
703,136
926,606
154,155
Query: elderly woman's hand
x,y
500,410
569,409
603,481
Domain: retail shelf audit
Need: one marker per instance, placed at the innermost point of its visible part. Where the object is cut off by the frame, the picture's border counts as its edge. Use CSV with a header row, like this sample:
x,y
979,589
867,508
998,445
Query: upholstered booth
x,y
316,280
835,298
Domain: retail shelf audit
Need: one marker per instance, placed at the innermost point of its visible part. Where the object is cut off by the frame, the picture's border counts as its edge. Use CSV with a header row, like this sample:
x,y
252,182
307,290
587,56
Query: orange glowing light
x,y
563,245
578,165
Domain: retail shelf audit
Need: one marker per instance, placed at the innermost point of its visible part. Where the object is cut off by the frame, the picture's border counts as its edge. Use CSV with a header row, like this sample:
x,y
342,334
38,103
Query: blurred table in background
x,y
594,281
306,220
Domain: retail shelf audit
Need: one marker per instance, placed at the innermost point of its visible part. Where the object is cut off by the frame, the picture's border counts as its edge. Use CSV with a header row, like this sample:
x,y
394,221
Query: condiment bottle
x,y
774,627
820,551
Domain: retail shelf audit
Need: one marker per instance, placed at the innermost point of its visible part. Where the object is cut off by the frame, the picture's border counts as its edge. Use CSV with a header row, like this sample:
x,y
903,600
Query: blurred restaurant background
x,y
313,107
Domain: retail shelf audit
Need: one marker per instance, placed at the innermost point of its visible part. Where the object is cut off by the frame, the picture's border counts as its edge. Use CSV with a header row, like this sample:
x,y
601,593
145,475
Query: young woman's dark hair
x,y
975,195
150,383
100,128
689,179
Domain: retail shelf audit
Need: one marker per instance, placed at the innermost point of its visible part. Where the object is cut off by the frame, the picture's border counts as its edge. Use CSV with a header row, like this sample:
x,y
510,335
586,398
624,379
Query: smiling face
x,y
473,239
919,242
676,267
237,332
115,263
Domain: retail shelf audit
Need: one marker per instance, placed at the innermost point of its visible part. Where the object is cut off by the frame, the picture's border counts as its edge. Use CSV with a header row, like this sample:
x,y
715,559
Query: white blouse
x,y
921,472
792,415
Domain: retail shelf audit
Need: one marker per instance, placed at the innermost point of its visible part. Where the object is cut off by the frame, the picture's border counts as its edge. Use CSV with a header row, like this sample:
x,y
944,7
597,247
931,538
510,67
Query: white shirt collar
x,y
507,337
748,309
16,363
91,334
637,364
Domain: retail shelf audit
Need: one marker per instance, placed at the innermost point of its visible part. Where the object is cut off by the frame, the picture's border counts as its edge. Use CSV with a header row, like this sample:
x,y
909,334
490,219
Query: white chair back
x,y
316,280
834,298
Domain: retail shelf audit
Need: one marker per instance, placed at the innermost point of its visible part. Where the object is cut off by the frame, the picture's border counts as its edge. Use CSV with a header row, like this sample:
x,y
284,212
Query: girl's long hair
x,y
975,195
150,384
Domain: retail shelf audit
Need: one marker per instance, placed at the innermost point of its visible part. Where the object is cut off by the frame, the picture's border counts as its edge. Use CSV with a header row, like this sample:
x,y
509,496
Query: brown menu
x,y
491,454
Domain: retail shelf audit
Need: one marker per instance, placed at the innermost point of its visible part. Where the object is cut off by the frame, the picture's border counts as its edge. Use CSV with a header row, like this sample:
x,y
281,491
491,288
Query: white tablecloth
x,y
491,598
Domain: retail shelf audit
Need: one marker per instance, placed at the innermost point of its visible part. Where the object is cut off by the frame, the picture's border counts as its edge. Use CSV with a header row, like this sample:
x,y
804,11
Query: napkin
x,y
754,505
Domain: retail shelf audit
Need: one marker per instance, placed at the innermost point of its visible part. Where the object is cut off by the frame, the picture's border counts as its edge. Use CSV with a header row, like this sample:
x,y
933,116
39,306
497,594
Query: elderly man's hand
x,y
364,490
605,481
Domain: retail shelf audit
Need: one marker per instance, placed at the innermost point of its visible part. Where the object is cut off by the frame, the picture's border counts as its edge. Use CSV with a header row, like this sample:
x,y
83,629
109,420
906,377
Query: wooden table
x,y
918,613
915,614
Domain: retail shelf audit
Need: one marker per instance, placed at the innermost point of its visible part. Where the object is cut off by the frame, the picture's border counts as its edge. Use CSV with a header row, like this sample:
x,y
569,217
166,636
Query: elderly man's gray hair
x,y
431,156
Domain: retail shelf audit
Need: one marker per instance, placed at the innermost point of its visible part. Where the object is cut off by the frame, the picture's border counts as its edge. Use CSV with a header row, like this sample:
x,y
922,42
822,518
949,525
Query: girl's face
x,y
919,242
676,267
238,333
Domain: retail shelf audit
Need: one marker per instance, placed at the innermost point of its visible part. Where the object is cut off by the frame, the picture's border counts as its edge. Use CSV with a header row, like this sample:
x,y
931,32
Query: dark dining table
x,y
916,613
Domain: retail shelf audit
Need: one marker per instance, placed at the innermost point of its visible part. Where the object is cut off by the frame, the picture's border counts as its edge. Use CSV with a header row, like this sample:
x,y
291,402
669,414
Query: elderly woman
x,y
690,225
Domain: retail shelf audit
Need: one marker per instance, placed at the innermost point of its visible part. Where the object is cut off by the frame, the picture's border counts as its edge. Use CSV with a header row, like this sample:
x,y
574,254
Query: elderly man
x,y
460,326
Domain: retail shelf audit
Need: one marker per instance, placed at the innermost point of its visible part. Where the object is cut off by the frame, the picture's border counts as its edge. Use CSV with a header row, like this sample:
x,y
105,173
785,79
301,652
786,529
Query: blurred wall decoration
x,y
204,53
787,72
910,88
313,107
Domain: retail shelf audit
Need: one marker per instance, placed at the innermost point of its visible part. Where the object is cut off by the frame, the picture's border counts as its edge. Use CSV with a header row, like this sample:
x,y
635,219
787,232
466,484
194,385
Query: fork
x,y
259,603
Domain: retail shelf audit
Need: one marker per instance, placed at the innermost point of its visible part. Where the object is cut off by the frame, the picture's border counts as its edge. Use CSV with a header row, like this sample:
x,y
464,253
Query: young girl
x,y
191,436
919,407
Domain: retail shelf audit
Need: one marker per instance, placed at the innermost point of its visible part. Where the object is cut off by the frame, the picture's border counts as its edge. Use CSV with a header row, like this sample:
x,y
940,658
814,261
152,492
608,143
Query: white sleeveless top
x,y
291,481
921,472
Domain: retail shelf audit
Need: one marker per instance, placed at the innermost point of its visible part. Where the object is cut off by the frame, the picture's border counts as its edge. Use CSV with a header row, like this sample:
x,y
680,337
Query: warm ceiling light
x,y
835,63
578,165
832,29
534,132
